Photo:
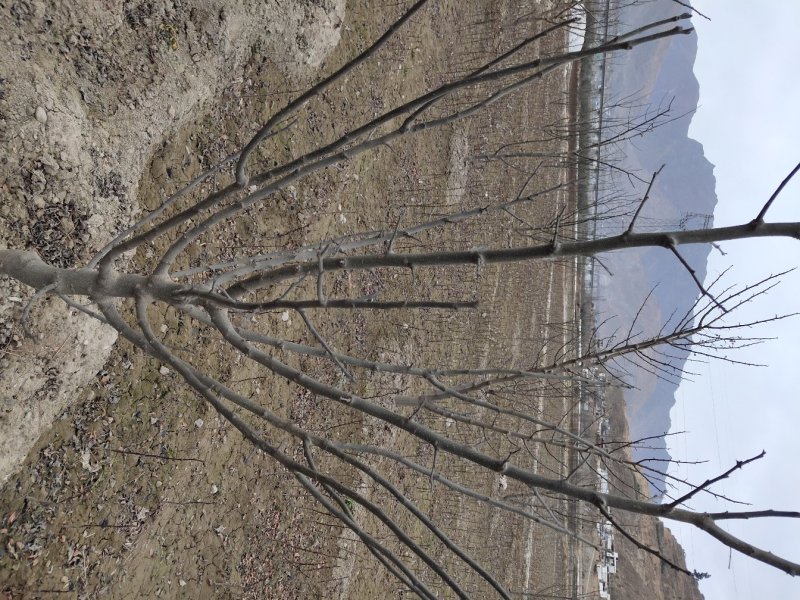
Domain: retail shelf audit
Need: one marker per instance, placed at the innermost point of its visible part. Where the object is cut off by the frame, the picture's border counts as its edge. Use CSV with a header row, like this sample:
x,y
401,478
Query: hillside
x,y
683,197
640,574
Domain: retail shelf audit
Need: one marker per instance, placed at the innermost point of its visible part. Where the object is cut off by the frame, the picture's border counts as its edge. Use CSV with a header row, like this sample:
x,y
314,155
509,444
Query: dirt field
x,y
139,490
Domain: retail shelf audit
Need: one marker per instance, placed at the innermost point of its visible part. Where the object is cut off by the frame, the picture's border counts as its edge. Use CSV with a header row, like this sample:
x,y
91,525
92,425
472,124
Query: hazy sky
x,y
748,66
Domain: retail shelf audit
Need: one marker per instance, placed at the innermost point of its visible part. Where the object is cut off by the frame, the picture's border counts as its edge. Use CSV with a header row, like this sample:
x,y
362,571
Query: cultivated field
x,y
140,490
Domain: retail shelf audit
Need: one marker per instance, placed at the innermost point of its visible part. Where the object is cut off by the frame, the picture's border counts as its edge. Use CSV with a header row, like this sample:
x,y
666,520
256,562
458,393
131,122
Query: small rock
x,y
41,114
198,423
95,221
285,316
49,164
163,370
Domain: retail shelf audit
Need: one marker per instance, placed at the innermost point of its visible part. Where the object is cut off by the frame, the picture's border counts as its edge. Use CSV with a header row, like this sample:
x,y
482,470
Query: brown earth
x,y
133,487
89,93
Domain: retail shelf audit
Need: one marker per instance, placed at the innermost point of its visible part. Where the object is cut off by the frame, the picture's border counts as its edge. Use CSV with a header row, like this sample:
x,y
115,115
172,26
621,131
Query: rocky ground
x,y
88,95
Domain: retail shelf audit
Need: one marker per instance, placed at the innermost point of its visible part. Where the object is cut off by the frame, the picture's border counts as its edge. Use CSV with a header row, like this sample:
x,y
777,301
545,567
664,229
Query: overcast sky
x,y
748,66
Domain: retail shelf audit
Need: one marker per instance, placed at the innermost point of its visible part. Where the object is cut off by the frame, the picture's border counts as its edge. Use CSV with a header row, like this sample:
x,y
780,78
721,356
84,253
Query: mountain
x,y
683,196
640,574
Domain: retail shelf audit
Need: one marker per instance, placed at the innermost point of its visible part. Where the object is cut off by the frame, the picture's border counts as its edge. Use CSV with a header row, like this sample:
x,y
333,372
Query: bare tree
x,y
472,419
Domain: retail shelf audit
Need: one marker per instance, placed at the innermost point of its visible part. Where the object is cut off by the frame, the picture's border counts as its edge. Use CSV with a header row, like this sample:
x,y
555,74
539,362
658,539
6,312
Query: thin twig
x,y
604,511
760,218
325,345
739,464
644,199
160,456
692,8
697,281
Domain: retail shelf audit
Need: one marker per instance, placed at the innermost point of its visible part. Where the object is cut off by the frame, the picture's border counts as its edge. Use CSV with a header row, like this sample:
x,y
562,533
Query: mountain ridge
x,y
683,197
